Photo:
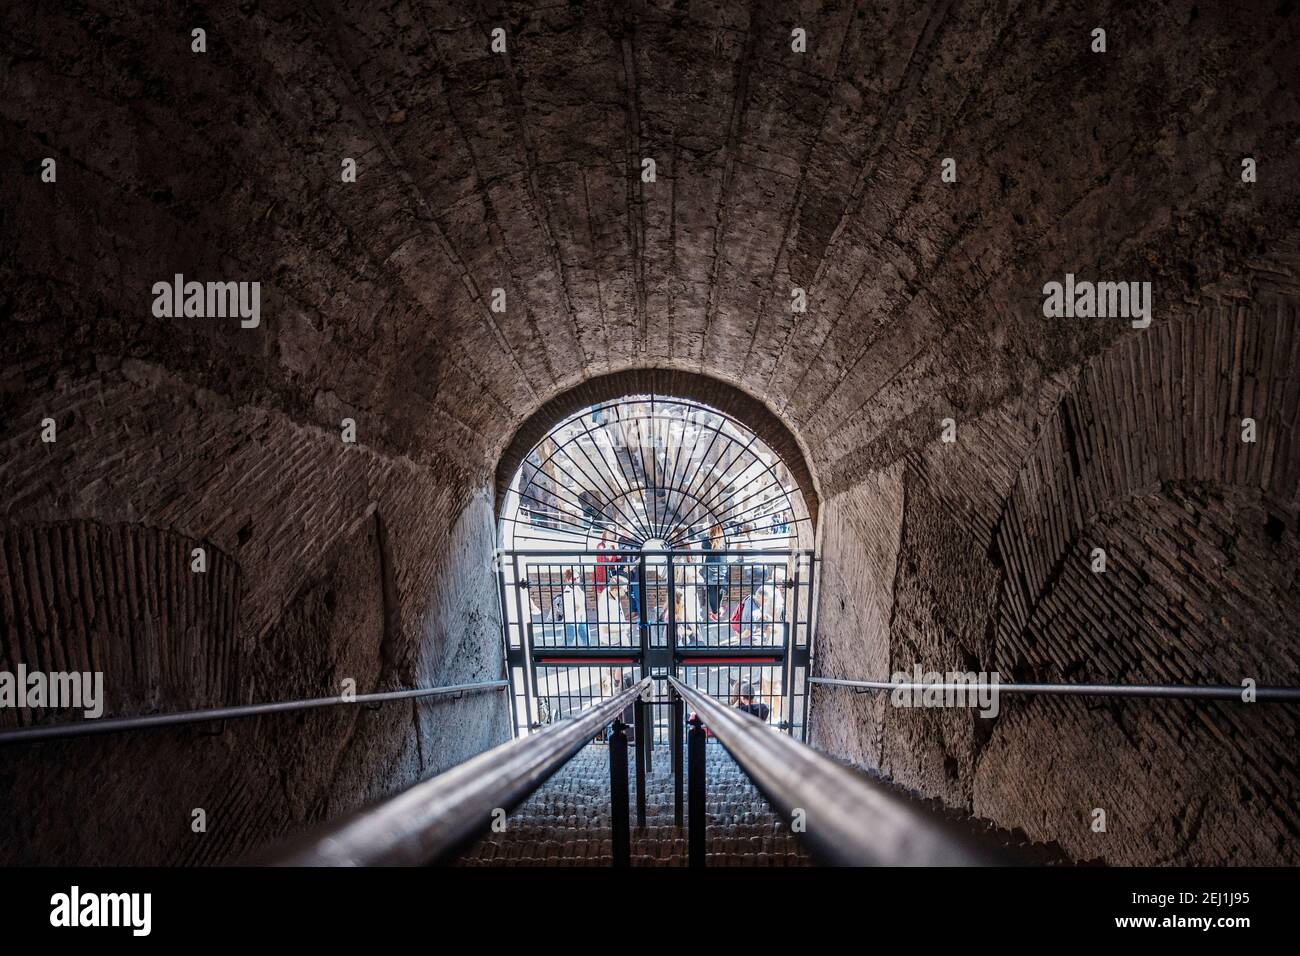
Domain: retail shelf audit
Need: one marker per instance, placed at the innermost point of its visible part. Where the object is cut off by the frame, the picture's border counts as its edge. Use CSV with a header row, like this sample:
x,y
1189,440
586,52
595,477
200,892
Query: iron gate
x,y
581,625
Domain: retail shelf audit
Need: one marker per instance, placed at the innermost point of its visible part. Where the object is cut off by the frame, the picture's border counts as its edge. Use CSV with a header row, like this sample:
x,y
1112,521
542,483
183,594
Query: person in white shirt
x,y
611,624
756,616
689,621
575,612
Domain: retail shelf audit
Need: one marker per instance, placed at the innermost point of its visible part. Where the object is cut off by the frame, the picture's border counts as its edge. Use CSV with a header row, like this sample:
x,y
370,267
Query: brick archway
x,y
719,395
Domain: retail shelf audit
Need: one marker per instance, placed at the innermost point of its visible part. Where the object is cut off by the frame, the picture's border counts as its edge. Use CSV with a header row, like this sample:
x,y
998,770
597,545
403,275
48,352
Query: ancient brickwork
x,y
775,172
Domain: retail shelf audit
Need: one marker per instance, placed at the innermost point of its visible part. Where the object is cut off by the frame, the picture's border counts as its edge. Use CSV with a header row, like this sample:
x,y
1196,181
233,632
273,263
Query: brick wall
x,y
477,172
325,562
1139,453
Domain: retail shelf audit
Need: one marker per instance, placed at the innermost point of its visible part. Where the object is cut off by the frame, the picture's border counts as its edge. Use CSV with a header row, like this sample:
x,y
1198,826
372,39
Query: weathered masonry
x,y
838,265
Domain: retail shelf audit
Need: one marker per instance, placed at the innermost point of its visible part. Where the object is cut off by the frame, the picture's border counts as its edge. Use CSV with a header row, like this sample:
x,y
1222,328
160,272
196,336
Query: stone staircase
x,y
566,822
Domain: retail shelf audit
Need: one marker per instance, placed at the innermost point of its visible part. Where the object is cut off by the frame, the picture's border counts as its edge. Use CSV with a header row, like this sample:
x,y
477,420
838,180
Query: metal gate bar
x,y
586,623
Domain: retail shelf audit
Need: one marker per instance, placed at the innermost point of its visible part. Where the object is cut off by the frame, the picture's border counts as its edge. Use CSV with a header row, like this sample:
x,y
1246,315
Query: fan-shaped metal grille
x,y
655,471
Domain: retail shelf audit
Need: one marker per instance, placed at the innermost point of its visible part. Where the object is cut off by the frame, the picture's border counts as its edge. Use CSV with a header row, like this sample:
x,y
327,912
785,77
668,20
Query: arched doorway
x,y
652,534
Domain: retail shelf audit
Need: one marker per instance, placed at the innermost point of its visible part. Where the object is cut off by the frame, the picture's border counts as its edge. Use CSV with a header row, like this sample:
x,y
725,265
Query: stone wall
x,y
324,562
522,172
1141,455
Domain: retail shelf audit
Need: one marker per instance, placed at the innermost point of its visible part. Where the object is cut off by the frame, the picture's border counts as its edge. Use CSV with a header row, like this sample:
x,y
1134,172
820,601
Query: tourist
x,y
745,701
755,614
630,571
575,611
606,554
688,614
713,572
611,625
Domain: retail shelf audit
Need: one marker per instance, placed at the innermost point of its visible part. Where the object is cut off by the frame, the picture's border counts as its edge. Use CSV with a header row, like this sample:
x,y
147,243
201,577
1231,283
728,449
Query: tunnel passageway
x,y
780,350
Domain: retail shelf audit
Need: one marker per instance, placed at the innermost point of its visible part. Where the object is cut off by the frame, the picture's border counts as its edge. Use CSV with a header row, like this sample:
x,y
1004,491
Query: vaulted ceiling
x,y
522,171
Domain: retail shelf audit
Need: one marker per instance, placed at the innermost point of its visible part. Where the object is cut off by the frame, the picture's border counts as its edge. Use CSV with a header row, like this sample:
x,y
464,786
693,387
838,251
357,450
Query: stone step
x,y
566,822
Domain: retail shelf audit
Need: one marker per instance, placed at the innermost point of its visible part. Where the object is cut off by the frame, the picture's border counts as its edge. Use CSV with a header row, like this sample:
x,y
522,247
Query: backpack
x,y
557,608
735,616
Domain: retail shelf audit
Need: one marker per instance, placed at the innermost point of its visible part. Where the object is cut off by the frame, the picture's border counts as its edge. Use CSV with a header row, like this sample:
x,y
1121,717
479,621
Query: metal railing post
x,y
638,712
650,736
525,645
619,823
678,725
695,836
791,642
643,612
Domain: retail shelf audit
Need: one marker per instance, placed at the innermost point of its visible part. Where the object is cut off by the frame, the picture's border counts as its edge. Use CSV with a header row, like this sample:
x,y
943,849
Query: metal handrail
x,y
431,820
148,721
849,820
1287,695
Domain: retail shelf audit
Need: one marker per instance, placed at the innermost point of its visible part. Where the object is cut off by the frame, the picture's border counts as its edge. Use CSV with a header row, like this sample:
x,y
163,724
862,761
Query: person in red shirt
x,y
607,548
